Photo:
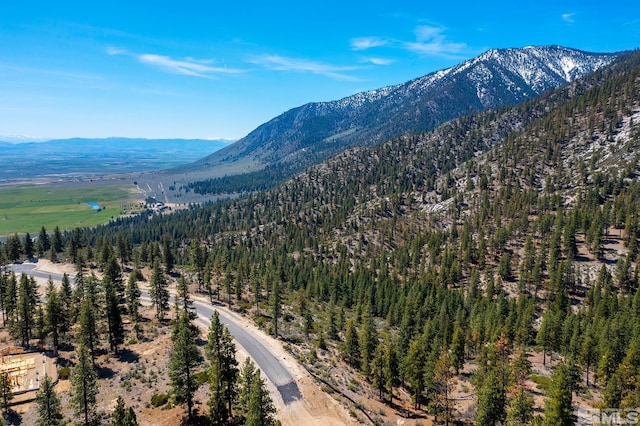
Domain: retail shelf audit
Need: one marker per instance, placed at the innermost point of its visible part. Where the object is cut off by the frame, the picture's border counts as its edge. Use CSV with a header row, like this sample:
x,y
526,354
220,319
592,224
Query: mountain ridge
x,y
310,133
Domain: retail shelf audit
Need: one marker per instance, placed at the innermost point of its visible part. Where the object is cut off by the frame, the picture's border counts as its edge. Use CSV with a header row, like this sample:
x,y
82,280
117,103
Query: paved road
x,y
274,370
28,268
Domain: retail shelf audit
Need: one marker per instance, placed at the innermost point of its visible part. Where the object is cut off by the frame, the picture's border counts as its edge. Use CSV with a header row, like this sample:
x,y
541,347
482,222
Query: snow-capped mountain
x,y
499,77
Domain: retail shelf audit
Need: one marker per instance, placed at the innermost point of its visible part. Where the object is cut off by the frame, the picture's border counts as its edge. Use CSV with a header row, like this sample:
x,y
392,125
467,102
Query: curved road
x,y
275,371
28,268
268,363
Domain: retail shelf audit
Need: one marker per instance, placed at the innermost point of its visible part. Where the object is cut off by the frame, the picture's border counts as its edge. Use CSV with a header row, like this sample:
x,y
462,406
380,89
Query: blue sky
x,y
219,69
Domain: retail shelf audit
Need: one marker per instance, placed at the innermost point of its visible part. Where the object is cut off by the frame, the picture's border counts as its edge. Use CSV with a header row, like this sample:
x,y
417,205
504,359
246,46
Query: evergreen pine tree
x,y
48,403
54,315
520,411
352,345
443,384
123,416
491,400
558,407
158,291
68,310
457,348
132,296
114,318
221,353
186,304
247,374
28,248
26,308
276,305
218,410
6,393
119,413
261,410
130,419
167,254
377,370
113,273
56,241
84,388
183,362
87,332
44,244
413,369
391,367
368,341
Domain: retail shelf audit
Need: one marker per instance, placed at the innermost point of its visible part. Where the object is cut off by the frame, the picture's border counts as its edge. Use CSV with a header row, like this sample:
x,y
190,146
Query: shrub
x,y
542,382
201,378
158,399
64,373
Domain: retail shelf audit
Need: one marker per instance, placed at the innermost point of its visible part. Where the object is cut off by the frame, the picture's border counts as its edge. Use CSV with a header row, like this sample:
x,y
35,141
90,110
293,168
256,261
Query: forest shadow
x,y
129,356
105,372
12,417
581,258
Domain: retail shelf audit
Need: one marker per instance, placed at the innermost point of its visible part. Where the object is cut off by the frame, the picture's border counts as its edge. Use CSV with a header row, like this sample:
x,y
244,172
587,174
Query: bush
x,y
64,373
261,321
159,399
542,382
202,377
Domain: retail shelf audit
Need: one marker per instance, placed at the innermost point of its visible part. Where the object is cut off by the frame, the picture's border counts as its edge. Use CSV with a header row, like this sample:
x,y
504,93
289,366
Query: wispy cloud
x,y
282,63
568,17
363,43
379,61
187,66
116,51
431,40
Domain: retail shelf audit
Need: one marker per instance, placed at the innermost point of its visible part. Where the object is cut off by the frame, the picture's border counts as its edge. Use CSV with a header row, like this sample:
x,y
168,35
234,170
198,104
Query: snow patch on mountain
x,y
539,67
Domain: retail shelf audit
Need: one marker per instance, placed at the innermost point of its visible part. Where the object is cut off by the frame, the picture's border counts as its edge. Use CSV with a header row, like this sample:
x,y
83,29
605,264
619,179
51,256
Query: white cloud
x,y
187,66
568,17
363,43
116,51
431,40
379,61
282,63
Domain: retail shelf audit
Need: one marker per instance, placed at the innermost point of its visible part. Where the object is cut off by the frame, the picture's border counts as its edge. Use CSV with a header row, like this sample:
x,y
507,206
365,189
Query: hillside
x,y
309,134
485,271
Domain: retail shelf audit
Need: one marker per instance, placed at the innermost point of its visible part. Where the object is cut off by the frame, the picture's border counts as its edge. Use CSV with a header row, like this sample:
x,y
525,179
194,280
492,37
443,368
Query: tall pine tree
x,y
183,362
159,292
49,406
84,388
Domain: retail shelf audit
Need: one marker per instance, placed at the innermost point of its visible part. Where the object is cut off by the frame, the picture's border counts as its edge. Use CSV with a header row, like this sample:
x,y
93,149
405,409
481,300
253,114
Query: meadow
x,y
26,208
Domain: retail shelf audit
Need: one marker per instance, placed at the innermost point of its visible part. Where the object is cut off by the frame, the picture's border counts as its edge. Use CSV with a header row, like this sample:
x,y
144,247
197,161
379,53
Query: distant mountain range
x,y
310,133
82,157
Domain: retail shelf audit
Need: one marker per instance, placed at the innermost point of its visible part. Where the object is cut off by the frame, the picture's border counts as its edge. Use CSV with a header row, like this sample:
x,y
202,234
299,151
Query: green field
x,y
26,208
